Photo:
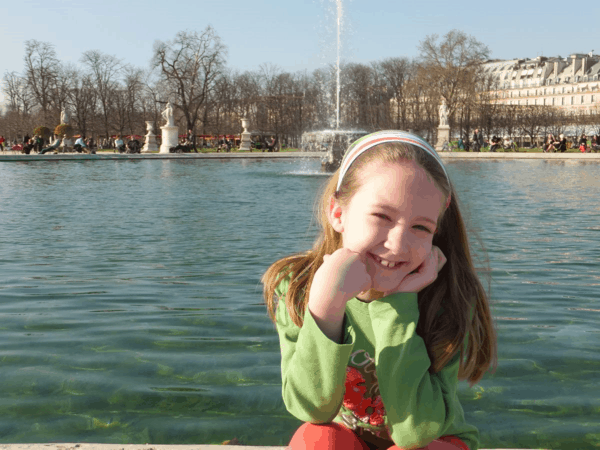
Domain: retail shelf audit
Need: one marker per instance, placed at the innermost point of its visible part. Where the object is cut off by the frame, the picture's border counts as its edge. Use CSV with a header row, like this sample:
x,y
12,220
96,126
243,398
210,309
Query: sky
x,y
294,35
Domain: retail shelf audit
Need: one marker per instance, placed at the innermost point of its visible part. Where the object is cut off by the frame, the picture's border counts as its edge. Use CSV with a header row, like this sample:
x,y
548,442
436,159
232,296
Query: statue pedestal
x,y
246,143
170,138
443,136
66,145
150,144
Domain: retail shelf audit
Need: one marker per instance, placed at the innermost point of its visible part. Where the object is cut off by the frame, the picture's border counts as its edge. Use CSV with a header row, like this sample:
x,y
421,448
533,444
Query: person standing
x,y
477,140
39,143
1,143
191,138
119,144
583,143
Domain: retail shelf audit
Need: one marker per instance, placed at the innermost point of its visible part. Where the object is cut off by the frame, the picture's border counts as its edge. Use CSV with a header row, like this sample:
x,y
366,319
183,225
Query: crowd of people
x,y
130,144
555,145
550,144
189,143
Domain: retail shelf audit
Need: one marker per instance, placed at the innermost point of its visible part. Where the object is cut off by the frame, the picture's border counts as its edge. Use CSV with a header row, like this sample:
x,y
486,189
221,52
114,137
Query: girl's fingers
x,y
441,259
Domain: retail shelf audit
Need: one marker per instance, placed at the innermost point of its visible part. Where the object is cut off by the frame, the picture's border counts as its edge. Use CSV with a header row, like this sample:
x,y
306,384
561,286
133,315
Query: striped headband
x,y
371,140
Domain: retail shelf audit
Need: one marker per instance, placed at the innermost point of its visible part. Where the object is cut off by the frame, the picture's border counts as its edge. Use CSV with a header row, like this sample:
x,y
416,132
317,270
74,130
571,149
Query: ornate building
x,y
568,83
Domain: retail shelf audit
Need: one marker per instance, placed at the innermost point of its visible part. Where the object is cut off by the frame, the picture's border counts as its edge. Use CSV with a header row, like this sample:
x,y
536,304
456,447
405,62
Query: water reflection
x,y
132,309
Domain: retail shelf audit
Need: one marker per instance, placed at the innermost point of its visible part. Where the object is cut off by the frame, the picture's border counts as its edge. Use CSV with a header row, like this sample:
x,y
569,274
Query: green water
x,y
131,308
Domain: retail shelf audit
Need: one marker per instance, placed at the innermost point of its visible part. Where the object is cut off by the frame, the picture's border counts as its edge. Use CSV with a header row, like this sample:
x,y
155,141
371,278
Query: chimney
x,y
583,66
555,74
576,64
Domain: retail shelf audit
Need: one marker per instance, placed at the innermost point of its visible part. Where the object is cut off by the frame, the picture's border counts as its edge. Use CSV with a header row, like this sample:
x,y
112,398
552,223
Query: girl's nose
x,y
398,240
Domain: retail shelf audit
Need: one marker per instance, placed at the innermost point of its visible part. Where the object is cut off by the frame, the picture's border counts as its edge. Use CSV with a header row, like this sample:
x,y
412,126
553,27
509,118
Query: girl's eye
x,y
382,216
424,228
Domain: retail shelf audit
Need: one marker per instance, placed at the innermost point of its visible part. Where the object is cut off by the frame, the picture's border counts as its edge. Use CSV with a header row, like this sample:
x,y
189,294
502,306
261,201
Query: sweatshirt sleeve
x,y
420,406
313,367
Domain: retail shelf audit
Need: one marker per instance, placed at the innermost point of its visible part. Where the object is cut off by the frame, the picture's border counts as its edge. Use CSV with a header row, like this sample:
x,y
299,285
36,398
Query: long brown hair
x,y
457,289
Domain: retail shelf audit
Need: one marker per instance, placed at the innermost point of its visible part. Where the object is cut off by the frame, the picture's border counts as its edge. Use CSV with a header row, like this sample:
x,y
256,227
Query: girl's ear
x,y
335,216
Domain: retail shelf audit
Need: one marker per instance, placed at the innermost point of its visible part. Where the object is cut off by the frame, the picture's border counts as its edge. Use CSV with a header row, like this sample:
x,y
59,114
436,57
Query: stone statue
x,y
64,116
150,127
168,115
443,114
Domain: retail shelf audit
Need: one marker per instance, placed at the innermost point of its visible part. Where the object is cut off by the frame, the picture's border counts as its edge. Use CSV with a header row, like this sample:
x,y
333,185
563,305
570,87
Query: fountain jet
x,y
333,143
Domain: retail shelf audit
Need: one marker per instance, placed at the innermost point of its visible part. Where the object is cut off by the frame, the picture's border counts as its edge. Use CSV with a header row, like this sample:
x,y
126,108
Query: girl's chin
x,y
370,295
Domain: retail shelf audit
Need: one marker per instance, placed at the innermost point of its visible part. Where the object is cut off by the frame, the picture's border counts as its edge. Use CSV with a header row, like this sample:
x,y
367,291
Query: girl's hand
x,y
424,275
342,275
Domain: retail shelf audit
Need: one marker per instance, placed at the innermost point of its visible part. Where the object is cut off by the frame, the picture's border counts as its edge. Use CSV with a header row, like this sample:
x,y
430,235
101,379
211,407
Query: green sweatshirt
x,y
377,381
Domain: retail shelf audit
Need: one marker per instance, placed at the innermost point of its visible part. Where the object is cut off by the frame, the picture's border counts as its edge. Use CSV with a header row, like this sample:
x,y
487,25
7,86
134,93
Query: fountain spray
x,y
333,142
339,30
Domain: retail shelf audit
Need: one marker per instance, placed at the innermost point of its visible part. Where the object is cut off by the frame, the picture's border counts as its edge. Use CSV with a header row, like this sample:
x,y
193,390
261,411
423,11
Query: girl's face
x,y
391,219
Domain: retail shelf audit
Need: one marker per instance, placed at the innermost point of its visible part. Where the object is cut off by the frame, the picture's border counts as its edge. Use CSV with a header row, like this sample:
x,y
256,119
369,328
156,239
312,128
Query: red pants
x,y
333,436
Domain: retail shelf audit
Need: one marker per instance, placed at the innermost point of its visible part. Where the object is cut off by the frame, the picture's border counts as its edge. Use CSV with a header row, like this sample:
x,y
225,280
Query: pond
x,y
132,308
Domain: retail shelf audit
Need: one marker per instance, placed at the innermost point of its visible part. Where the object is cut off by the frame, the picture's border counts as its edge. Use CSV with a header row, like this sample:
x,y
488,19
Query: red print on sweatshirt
x,y
364,401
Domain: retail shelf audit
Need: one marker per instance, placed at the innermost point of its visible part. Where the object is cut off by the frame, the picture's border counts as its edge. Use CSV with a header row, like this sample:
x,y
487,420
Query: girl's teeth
x,y
386,263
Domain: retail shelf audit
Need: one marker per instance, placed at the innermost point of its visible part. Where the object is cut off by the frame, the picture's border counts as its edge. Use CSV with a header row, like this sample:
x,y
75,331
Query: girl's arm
x,y
313,358
341,276
313,367
420,406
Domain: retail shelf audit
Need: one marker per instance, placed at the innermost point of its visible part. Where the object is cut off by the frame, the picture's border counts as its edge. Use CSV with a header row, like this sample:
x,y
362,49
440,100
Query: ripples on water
x,y
132,312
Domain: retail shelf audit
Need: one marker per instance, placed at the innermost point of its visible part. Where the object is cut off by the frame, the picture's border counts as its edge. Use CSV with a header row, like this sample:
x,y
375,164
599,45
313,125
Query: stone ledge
x,y
517,155
86,446
14,156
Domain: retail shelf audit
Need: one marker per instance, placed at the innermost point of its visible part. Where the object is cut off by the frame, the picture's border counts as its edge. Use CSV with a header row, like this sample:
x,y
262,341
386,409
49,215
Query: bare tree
x,y
41,70
83,100
451,65
17,92
358,79
104,70
61,92
530,119
397,72
190,65
152,98
134,87
17,118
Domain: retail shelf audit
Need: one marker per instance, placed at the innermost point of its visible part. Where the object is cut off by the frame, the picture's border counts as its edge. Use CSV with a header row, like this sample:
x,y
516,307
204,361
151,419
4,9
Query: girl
x,y
375,326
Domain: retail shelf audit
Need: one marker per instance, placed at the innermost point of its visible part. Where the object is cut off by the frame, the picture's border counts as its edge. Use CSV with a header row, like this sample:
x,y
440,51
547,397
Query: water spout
x,y
339,43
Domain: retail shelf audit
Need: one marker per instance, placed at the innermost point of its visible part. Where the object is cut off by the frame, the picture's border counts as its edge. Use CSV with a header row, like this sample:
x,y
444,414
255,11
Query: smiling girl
x,y
380,319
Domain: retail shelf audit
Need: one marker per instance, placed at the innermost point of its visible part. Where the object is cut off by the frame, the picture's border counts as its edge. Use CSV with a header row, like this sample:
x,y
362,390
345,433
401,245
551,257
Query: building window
x,y
552,101
562,101
544,102
544,91
592,100
554,90
563,89
582,99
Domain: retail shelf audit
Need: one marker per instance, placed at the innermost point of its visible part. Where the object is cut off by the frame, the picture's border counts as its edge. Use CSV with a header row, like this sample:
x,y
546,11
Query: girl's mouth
x,y
386,264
